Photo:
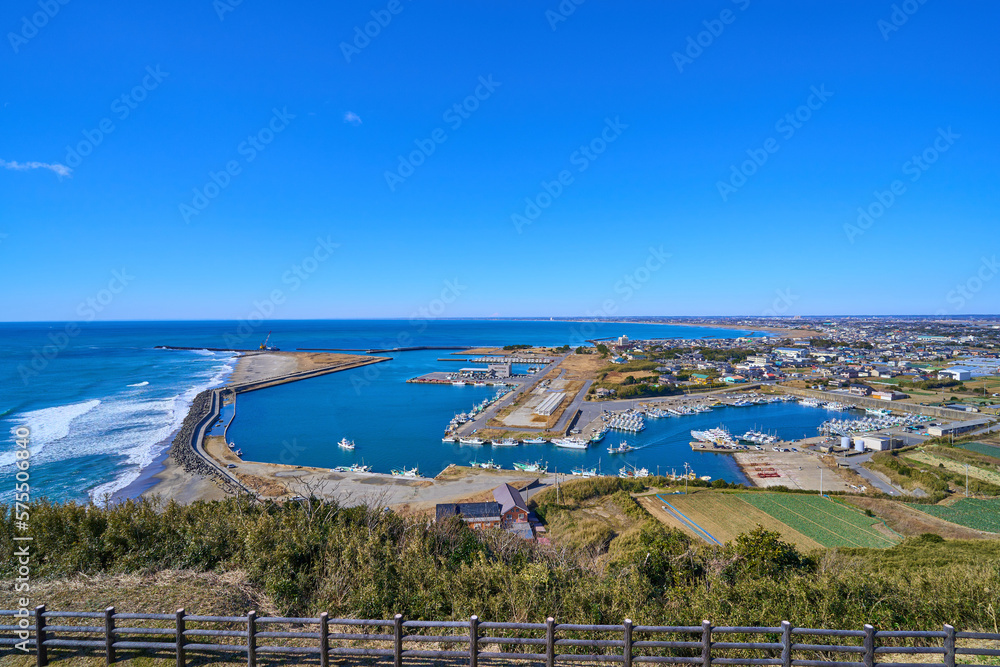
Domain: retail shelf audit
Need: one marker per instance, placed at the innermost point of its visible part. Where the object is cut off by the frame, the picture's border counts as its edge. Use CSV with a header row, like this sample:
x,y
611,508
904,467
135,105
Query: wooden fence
x,y
109,634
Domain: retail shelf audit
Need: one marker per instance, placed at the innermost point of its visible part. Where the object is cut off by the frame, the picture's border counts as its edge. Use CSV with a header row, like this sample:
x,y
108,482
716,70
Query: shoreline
x,y
182,473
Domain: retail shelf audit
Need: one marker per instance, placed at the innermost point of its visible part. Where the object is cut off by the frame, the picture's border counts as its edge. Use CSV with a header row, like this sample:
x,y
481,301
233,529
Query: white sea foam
x,y
48,425
138,384
122,425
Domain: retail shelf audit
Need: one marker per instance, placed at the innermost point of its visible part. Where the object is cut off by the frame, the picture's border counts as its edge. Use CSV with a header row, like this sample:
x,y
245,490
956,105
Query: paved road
x,y
854,463
523,386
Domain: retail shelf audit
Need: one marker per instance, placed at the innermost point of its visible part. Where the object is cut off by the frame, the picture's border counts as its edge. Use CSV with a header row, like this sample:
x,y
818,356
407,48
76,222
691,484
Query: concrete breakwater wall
x,y
868,402
182,450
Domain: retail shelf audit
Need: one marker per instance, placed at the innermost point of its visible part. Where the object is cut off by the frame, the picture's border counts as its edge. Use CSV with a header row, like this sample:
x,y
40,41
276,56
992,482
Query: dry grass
x,y
617,377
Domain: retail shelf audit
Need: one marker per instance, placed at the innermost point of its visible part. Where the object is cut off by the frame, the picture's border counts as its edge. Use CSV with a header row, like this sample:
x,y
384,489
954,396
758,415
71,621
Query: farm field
x,y
977,513
829,523
905,520
981,448
723,515
955,466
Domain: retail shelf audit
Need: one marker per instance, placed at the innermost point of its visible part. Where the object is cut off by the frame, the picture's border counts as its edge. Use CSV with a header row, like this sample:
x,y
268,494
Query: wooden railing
x,y
110,634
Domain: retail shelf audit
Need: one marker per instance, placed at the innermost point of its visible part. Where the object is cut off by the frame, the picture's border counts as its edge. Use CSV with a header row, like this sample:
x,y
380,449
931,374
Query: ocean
x,y
102,403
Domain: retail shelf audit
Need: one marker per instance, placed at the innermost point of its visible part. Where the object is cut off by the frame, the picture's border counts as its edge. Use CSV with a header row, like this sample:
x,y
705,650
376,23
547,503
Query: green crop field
x,y
981,448
821,519
980,514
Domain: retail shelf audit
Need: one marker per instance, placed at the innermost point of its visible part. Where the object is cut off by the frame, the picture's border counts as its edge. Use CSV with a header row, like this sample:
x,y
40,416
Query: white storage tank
x,y
845,442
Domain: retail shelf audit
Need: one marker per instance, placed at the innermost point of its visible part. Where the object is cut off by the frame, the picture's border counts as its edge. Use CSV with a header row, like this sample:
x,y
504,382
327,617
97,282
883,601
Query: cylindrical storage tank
x,y
859,445
845,442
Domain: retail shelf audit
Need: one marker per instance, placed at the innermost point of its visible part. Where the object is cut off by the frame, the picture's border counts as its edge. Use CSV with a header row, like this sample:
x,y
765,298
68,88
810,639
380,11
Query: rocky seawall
x,y
182,449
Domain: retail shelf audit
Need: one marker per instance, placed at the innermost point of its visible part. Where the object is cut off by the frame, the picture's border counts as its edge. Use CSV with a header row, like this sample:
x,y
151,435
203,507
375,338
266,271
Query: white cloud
x,y
352,118
60,169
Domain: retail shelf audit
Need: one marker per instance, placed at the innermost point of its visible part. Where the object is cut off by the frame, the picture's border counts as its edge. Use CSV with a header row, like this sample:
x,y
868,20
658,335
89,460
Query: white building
x,y
956,373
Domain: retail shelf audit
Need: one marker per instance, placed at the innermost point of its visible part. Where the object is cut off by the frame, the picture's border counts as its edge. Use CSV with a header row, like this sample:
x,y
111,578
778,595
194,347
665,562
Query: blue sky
x,y
644,110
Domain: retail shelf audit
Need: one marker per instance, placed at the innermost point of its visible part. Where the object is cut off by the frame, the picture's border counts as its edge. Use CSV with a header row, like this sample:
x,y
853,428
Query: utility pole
x,y
686,466
966,480
821,480
558,496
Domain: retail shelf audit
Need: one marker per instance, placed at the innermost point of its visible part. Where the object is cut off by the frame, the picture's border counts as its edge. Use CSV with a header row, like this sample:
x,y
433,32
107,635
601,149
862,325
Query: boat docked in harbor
x,y
571,443
631,472
471,441
506,442
404,472
346,444
535,441
584,472
537,466
489,465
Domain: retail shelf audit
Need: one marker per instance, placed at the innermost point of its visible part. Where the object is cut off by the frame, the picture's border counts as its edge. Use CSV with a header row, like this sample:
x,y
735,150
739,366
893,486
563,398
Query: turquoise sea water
x,y
102,403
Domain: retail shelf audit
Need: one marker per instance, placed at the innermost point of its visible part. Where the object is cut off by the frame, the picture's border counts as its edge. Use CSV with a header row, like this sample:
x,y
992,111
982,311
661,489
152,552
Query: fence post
x,y
40,653
109,635
949,645
786,644
324,640
252,639
397,626
706,644
180,638
627,652
550,642
868,657
474,641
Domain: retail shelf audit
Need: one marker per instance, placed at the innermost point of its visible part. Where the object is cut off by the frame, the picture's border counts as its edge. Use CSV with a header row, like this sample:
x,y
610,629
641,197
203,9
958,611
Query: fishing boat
x,y
471,441
599,435
357,467
489,465
531,467
631,472
449,438
346,444
584,472
506,442
535,441
571,443
403,472
621,449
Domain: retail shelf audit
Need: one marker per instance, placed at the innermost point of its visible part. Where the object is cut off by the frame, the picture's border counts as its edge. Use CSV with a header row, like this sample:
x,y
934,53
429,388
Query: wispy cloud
x,y
352,118
60,169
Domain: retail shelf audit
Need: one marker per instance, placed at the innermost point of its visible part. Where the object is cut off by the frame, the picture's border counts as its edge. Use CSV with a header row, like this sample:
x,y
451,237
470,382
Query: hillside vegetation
x,y
314,556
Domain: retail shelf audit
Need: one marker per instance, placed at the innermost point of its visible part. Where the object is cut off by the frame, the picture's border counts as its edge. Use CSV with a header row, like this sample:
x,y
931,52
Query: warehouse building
x,y
956,428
